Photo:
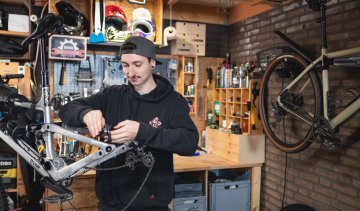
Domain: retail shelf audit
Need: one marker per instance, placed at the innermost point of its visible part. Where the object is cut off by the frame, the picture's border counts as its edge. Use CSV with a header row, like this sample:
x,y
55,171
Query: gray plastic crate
x,y
189,204
230,196
188,187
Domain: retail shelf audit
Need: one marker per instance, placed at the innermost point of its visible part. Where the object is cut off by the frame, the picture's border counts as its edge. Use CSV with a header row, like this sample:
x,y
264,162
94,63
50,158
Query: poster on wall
x,y
67,47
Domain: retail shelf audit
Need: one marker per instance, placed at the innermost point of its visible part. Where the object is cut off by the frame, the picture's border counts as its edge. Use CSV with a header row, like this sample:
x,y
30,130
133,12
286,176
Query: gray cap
x,y
140,46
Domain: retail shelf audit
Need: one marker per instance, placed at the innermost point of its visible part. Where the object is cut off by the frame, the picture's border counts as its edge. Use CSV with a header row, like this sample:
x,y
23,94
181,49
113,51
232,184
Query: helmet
x,y
75,23
142,24
115,24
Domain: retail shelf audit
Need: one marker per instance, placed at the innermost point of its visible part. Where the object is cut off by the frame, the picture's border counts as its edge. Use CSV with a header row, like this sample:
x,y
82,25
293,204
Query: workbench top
x,y
205,162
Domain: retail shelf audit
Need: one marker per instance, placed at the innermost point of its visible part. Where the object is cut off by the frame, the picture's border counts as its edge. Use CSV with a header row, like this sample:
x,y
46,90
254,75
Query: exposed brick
x,y
352,5
325,190
250,27
252,19
308,17
304,183
291,6
345,179
350,161
338,205
334,10
263,23
321,198
291,186
355,202
294,28
244,41
334,28
313,172
323,163
346,170
278,18
341,187
275,11
338,36
281,24
325,173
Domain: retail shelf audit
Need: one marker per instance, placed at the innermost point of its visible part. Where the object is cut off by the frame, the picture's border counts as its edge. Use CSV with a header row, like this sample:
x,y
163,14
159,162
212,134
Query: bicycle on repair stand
x,y
23,120
294,103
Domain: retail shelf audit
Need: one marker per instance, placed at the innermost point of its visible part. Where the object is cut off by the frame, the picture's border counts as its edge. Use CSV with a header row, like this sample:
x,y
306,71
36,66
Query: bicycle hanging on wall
x,y
56,173
294,103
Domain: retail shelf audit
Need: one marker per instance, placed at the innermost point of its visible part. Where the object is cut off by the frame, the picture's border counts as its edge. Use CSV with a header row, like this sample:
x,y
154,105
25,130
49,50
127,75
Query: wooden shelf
x,y
14,34
235,100
186,79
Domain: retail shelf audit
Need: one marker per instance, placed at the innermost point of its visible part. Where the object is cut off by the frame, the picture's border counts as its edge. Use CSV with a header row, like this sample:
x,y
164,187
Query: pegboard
x,y
114,74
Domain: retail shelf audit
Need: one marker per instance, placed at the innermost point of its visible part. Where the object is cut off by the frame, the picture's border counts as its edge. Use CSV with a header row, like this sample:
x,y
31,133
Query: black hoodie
x,y
165,128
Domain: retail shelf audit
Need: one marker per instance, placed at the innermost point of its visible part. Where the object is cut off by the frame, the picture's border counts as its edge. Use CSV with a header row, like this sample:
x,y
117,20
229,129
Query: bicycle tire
x,y
295,134
4,204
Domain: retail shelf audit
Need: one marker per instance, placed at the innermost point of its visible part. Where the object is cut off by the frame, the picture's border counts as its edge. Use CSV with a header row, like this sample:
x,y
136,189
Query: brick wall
x,y
318,177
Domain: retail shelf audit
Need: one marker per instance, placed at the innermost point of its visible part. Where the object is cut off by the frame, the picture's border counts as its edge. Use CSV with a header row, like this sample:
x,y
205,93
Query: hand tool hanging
x,y
105,81
84,74
62,80
255,93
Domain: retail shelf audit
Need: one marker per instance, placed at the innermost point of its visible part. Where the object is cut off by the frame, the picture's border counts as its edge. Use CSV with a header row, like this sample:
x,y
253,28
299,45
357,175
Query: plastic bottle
x,y
217,78
210,118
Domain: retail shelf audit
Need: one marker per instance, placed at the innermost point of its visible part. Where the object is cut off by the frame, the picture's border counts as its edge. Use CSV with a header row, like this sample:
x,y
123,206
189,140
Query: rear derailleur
x,y
138,155
326,133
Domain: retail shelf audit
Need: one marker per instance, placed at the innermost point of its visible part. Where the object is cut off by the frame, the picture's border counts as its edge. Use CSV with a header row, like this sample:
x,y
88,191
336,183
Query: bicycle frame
x,y
349,110
53,165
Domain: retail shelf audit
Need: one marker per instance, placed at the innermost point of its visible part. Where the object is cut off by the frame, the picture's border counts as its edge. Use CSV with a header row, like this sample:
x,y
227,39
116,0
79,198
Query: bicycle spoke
x,y
287,115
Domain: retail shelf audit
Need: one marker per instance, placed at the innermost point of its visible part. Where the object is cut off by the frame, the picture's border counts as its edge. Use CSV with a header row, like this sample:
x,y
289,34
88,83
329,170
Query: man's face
x,y
137,69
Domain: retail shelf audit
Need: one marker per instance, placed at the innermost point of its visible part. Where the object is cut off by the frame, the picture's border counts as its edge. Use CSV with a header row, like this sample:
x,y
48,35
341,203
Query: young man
x,y
147,110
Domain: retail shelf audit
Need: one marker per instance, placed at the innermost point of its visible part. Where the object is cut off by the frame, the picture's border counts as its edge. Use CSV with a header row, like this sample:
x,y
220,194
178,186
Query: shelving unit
x,y
236,106
186,83
154,6
17,36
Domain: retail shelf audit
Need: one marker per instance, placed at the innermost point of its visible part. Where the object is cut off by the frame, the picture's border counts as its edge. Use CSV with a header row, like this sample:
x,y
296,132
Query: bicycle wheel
x,y
4,205
289,125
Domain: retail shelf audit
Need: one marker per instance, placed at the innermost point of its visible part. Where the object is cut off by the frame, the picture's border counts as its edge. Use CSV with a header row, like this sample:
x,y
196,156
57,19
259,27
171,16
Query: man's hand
x,y
95,121
125,131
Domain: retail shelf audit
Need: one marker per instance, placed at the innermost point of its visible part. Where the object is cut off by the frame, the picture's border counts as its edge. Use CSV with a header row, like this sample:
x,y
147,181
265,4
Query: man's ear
x,y
152,63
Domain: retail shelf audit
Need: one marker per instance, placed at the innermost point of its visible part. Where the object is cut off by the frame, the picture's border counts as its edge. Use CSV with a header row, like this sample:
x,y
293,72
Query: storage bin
x,y
189,204
229,196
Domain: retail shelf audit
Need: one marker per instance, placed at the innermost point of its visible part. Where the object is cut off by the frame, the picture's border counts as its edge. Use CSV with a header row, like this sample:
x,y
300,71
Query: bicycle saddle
x,y
49,23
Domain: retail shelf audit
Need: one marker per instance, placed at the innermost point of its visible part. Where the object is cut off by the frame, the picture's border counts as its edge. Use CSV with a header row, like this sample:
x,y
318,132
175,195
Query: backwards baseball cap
x,y
140,46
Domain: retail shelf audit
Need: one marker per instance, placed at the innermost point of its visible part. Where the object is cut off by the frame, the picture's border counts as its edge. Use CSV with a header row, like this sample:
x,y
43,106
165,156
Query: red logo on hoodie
x,y
155,122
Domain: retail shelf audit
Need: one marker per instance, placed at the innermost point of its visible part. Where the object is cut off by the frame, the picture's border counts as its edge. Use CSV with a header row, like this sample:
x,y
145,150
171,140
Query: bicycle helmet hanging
x,y
116,24
142,25
75,23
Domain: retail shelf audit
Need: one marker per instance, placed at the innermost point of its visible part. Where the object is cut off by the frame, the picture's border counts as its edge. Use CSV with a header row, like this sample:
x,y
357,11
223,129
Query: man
x,y
147,110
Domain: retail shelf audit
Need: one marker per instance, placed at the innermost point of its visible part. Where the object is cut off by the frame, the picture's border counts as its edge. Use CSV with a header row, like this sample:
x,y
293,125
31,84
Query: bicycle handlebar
x,y
11,76
49,23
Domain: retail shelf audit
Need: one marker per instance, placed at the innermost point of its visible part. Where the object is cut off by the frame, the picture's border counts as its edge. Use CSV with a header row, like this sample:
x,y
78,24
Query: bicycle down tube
x,y
347,112
106,151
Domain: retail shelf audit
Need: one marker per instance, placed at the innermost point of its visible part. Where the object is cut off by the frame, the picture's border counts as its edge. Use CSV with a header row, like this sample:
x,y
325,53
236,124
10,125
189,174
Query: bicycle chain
x,y
131,159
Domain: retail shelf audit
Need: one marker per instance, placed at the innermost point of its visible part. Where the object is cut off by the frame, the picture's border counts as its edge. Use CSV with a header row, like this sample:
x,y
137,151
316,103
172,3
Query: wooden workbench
x,y
84,197
207,162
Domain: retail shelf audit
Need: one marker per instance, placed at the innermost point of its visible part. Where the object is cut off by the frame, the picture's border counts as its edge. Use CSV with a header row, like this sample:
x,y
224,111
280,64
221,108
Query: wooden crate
x,y
242,149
